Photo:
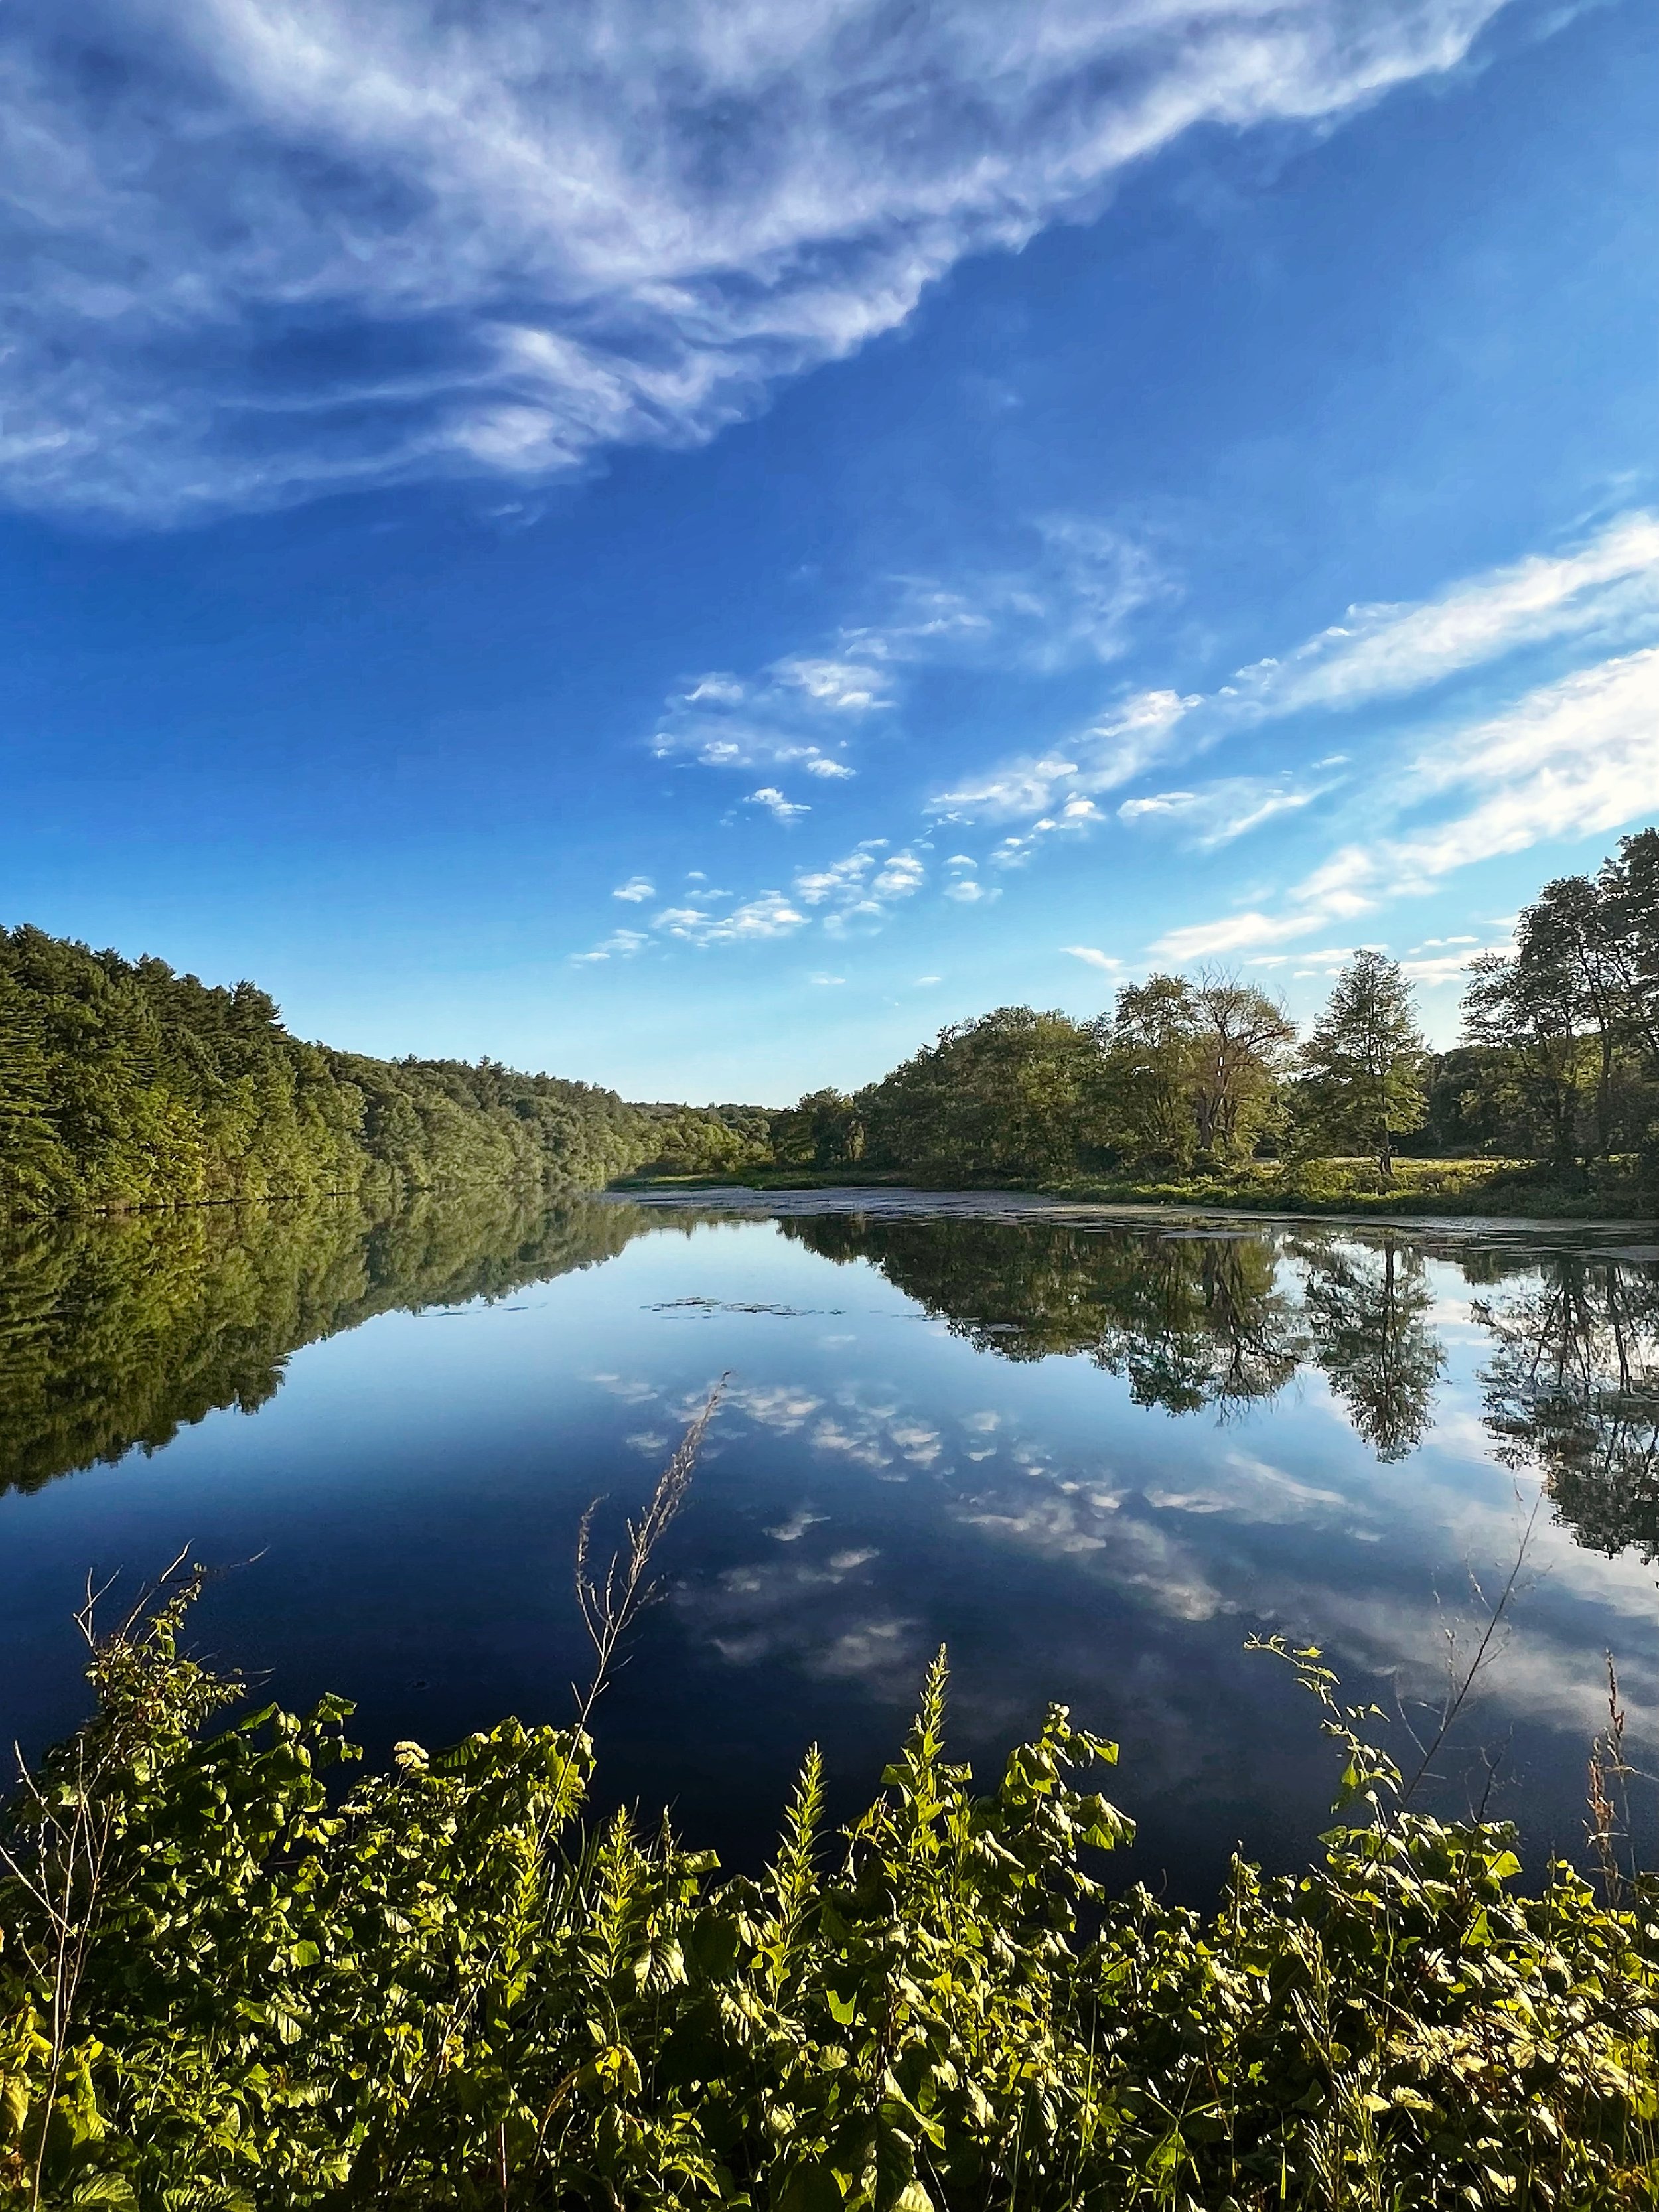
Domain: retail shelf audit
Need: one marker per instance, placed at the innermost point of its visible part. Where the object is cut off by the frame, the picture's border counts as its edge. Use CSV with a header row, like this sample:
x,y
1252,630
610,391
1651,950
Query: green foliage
x,y
705,1140
1011,1094
1568,1030
1191,1070
123,1084
824,1129
1362,1066
1182,1071
222,1986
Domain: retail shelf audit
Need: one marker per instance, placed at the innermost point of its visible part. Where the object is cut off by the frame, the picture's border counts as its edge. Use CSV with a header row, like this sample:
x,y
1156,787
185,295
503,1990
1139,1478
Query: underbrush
x,y
222,1986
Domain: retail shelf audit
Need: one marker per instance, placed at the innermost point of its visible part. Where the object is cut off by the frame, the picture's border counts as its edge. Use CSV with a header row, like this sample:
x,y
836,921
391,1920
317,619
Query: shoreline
x,y
759,1202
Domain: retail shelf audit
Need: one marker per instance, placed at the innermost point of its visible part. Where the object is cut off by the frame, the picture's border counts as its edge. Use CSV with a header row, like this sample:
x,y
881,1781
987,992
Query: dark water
x,y
1089,1455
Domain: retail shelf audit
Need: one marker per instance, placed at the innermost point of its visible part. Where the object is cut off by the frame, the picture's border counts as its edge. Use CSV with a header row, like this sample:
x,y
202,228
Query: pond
x,y
1089,1452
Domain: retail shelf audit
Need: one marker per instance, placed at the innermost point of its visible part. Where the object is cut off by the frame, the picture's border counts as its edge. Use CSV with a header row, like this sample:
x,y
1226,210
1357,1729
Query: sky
x,y
690,546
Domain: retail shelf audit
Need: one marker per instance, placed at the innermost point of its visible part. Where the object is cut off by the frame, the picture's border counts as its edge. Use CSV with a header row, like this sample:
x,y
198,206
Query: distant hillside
x,y
124,1084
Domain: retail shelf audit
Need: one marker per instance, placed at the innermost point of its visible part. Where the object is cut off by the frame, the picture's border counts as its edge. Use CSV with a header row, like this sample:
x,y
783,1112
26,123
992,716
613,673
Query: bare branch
x,y
610,1607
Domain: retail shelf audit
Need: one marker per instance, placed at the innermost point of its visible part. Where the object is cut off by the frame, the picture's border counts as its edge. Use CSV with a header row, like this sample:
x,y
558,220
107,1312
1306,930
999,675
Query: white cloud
x,y
860,889
898,877
636,889
1213,814
738,742
1068,598
716,690
842,686
410,239
826,980
1235,933
621,945
770,915
1575,758
840,881
1110,752
1600,589
1443,967
1605,589
772,800
1095,958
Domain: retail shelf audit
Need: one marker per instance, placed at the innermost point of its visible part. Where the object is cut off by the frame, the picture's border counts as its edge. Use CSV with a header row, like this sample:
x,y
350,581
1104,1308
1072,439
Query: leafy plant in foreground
x,y
220,1987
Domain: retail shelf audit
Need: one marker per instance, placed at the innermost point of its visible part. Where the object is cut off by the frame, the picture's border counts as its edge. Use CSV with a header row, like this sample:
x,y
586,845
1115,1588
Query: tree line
x,y
125,1084
1559,1064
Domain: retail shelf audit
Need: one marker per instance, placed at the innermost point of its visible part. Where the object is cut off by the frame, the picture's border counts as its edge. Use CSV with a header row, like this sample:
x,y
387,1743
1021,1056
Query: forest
x,y
1206,1077
124,1084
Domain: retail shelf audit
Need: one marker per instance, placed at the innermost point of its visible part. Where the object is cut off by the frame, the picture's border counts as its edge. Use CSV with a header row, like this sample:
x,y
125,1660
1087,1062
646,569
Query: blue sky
x,y
690,546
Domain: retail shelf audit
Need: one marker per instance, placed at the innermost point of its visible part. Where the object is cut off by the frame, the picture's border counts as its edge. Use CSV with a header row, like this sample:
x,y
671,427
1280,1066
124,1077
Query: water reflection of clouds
x,y
1250,1489
792,1531
812,1614
780,1407
630,1390
1371,1485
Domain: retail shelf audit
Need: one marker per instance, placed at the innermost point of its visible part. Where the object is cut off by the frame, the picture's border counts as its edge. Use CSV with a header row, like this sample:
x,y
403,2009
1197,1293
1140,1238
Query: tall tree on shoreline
x,y
1363,1064
1241,1041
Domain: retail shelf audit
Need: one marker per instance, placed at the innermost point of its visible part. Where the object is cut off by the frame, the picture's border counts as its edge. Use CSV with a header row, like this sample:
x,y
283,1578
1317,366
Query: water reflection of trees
x,y
1196,1321
120,1331
1573,1389
1368,1314
1191,1322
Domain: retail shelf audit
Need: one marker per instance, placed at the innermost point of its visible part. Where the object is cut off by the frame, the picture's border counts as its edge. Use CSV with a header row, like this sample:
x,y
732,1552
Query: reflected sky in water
x,y
1090,1456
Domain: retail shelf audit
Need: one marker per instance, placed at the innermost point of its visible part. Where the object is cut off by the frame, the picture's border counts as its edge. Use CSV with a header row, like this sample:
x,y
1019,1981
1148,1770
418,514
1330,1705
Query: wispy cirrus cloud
x,y
1574,758
1070,598
1124,743
1602,593
410,240
1214,813
1607,589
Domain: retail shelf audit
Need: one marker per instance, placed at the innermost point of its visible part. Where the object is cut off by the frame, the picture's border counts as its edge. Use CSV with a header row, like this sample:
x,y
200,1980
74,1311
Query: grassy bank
x,y
1495,1187
223,1985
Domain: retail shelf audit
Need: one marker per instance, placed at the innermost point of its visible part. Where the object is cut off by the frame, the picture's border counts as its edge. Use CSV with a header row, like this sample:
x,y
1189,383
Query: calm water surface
x,y
1089,1455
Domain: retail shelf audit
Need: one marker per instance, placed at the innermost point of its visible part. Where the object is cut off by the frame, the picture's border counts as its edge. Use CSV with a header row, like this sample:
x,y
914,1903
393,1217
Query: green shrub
x,y
221,1987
